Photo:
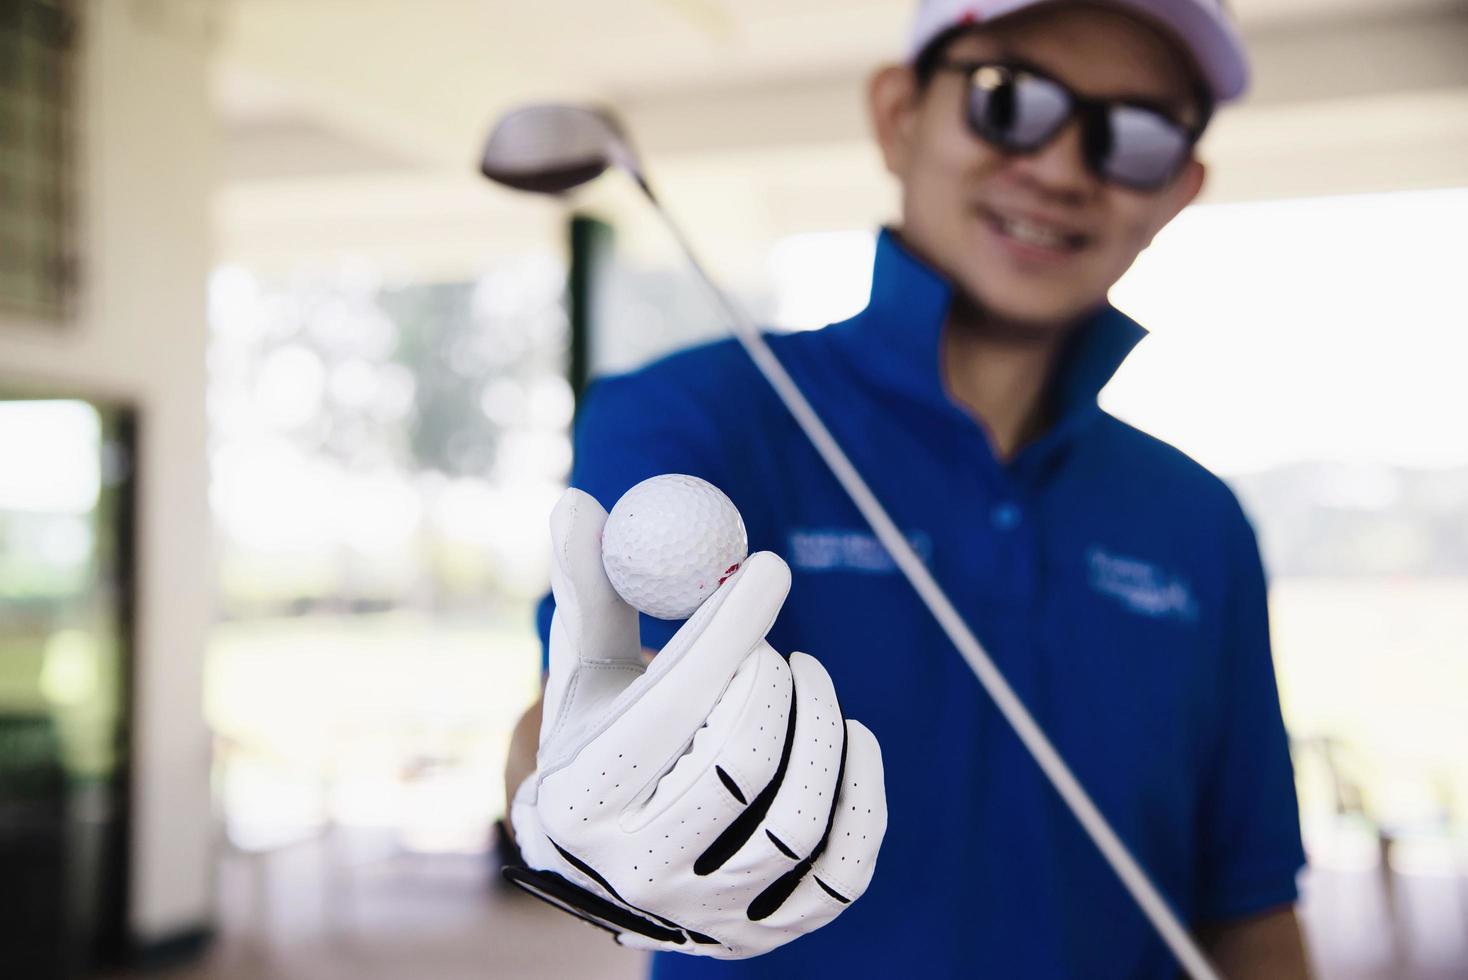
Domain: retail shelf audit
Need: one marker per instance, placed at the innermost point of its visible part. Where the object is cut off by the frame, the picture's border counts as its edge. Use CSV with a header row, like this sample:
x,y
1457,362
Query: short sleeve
x,y
628,428
1250,847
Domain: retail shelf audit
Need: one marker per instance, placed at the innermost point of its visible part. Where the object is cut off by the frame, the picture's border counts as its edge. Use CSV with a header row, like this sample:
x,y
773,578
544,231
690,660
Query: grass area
x,y
364,706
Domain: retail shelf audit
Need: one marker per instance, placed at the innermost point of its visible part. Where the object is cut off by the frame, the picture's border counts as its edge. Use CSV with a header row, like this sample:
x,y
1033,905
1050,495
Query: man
x,y
1039,146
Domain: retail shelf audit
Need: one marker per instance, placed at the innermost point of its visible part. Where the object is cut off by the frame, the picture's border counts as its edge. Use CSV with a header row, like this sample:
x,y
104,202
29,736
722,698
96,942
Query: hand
x,y
713,802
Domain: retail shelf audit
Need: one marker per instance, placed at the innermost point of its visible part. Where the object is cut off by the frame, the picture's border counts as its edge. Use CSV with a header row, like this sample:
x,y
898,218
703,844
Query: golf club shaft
x,y
1146,895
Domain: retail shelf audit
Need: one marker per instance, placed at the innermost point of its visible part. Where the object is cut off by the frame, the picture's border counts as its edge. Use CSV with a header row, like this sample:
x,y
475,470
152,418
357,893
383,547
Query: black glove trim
x,y
595,876
613,916
588,906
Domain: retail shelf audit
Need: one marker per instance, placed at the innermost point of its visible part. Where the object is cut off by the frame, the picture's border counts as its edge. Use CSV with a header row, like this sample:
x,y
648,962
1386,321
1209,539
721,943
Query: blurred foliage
x,y
29,749
450,357
372,443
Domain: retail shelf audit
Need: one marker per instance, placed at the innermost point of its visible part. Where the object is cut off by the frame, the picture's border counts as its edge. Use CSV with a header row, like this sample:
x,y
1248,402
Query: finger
x,y
594,653
801,808
733,620
665,707
596,624
770,844
850,857
732,758
844,869
802,811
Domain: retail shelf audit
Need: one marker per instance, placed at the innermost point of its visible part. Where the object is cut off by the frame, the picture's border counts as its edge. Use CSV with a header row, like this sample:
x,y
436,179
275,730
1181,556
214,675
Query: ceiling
x,y
366,103
427,73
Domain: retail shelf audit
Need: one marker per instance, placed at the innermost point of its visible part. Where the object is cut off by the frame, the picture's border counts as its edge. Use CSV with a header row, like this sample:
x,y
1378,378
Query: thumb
x,y
596,621
591,625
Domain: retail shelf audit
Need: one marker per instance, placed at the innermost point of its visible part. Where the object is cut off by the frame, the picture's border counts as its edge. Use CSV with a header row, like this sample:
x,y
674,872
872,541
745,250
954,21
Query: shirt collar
x,y
897,338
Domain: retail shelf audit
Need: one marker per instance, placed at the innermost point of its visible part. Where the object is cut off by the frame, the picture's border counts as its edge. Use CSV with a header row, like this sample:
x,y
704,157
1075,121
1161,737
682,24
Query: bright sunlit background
x,y
1309,351
384,456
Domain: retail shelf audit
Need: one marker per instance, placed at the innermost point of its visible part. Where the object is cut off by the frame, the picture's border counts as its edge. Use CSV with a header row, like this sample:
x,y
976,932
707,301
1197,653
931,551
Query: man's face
x,y
961,197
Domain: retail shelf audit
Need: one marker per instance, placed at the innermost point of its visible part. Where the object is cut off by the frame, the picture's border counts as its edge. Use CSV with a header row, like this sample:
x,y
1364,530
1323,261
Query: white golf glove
x,y
714,802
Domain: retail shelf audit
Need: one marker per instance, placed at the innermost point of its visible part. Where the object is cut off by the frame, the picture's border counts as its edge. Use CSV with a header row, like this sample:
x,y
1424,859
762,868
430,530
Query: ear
x,y
1184,190
1191,183
892,100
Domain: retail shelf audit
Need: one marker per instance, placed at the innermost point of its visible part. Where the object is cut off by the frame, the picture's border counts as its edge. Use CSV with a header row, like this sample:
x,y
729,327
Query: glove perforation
x,y
769,900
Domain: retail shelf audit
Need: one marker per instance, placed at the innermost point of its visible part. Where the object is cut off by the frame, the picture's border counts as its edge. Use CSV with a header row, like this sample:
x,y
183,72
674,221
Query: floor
x,y
1348,922
304,914
325,911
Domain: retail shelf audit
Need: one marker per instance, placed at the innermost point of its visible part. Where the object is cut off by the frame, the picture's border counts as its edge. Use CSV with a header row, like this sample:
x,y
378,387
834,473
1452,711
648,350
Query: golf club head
x,y
552,149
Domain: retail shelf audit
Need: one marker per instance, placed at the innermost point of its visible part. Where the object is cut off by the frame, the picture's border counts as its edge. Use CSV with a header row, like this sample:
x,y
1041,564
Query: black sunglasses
x,y
1019,109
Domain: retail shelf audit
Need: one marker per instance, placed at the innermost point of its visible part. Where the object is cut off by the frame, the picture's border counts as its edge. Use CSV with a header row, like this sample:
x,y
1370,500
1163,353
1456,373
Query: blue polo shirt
x,y
1114,581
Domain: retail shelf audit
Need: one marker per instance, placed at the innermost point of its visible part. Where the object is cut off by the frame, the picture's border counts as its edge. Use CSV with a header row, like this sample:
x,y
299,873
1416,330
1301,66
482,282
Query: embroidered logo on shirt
x,y
1140,586
842,549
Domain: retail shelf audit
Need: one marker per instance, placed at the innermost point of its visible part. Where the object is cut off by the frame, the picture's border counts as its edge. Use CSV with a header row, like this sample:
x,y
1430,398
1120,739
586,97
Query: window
x,y
37,58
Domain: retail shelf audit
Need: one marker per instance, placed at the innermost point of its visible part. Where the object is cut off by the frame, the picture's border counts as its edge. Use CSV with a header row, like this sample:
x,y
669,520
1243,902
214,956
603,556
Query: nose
x,y
1058,169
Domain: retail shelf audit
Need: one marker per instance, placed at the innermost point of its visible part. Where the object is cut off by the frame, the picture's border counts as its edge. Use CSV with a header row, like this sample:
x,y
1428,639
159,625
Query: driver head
x,y
552,149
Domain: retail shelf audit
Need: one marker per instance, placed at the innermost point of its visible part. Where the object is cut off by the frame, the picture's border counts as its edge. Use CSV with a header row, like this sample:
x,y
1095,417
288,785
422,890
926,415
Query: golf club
x,y
553,149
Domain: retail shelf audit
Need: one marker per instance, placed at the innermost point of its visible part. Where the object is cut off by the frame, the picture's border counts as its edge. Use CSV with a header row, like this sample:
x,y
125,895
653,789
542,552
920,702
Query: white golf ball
x,y
670,542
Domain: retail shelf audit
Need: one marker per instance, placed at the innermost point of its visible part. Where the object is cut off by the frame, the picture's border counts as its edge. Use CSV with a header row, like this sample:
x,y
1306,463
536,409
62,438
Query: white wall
x,y
147,164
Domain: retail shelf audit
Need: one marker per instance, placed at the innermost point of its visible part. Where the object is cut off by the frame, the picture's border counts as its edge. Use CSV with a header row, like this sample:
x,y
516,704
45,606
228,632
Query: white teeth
x,y
1033,234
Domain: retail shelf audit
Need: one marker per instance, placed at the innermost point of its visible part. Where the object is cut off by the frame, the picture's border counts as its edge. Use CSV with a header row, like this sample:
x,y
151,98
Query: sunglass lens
x,y
1015,110
1145,148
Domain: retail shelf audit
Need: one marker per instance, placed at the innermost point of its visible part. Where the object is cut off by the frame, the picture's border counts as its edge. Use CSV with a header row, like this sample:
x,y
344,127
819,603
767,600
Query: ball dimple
x,y
668,543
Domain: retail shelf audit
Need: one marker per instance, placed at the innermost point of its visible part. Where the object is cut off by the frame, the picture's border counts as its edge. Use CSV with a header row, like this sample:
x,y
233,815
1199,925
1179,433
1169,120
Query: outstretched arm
x,y
1268,946
520,763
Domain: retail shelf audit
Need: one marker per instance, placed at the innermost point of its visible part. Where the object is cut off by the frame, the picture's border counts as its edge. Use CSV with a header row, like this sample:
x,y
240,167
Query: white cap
x,y
1201,25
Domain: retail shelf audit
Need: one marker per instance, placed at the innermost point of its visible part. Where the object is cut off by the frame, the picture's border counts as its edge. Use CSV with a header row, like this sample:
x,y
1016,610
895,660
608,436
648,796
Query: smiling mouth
x,y
1036,234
